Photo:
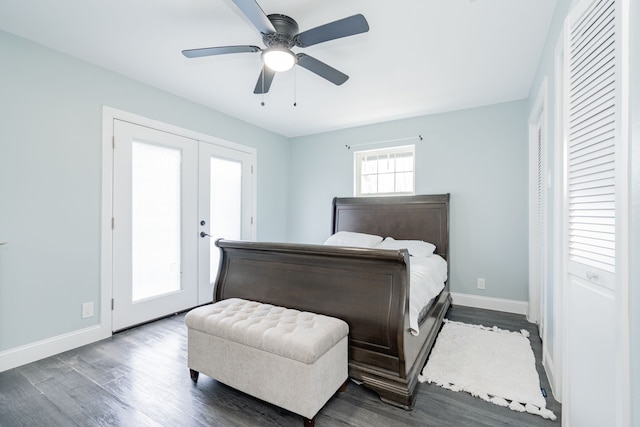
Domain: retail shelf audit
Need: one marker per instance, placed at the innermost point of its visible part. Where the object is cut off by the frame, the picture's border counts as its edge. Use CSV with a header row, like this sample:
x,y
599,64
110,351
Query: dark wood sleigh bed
x,y
367,288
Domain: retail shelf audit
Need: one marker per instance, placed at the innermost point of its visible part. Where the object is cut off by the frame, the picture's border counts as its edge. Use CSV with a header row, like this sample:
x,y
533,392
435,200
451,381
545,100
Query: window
x,y
388,171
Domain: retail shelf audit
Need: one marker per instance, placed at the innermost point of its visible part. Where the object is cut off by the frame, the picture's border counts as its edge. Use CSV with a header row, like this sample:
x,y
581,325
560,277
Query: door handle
x,y
202,233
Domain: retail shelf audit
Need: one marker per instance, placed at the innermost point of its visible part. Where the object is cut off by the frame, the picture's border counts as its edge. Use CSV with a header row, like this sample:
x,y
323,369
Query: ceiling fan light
x,y
278,59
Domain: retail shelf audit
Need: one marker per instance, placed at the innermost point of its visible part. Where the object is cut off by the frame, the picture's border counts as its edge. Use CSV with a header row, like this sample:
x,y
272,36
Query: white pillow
x,y
415,247
350,238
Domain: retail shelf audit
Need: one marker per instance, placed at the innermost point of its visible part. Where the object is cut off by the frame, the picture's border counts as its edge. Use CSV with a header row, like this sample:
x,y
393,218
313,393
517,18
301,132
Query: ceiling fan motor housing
x,y
286,29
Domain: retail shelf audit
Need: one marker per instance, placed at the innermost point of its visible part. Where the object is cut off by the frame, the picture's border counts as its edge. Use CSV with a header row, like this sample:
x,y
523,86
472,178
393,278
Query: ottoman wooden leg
x,y
194,375
309,422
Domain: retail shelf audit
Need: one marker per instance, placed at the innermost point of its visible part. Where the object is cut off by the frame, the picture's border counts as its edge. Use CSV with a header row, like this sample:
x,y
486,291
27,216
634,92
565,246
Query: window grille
x,y
387,171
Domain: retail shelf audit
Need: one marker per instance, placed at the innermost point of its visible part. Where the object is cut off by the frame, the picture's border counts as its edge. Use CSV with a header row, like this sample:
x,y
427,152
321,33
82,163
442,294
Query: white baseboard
x,y
489,303
28,353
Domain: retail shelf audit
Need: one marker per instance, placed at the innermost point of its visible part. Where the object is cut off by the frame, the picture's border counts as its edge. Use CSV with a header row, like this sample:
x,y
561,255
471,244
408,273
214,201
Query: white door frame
x,y
553,363
537,279
110,114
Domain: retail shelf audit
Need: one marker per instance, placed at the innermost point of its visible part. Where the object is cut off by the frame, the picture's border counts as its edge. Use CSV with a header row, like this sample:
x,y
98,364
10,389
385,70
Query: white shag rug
x,y
490,363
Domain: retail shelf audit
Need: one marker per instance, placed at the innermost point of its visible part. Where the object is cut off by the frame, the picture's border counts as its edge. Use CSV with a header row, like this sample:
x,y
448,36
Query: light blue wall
x,y
478,155
50,171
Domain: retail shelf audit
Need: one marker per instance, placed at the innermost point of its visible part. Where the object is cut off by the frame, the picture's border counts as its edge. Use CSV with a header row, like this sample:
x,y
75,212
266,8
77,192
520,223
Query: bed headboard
x,y
424,217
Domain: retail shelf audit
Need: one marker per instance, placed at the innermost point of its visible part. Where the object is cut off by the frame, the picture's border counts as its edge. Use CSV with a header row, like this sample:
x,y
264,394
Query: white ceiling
x,y
419,56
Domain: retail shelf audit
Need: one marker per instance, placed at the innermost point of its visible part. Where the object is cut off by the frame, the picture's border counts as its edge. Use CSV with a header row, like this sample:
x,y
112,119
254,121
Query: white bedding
x,y
427,277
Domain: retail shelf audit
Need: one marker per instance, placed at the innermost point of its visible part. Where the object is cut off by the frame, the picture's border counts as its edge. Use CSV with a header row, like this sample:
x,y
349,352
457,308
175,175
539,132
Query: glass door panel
x,y
225,206
156,219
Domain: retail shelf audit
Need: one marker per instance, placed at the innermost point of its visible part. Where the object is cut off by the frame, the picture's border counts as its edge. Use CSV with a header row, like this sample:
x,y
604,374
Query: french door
x,y
225,207
171,193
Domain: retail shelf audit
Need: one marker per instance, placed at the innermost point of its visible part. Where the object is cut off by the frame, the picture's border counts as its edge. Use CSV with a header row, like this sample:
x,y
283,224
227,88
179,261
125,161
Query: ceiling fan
x,y
280,34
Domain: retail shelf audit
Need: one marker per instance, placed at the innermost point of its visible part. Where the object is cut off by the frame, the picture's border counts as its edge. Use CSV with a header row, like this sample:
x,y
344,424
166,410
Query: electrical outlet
x,y
87,310
480,283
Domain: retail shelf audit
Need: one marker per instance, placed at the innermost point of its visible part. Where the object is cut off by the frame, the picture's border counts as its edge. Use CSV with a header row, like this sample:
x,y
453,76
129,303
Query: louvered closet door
x,y
592,131
592,143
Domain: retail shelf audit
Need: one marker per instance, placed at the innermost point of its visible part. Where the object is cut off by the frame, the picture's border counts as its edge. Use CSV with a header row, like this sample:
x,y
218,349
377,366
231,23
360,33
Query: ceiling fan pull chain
x,y
262,103
295,87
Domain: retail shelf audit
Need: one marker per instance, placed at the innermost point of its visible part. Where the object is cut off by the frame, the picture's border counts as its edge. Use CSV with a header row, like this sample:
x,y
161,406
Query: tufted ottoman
x,y
292,359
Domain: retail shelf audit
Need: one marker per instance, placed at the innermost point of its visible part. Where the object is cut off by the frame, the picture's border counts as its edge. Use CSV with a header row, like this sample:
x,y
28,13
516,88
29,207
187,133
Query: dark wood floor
x,y
139,378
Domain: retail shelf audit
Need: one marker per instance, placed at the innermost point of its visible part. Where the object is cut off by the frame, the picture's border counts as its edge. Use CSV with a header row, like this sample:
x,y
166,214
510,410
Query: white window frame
x,y
358,155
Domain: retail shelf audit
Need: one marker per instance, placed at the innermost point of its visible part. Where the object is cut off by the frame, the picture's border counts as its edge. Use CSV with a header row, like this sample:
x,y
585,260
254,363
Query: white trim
x,y
106,244
31,352
547,364
114,113
490,303
623,189
559,225
537,279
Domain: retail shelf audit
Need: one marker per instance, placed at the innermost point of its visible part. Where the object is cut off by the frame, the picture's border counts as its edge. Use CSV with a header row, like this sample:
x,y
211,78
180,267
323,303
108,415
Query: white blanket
x,y
427,277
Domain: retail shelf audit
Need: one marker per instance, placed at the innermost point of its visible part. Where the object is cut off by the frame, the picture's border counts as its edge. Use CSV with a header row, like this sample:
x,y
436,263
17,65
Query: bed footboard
x,y
367,288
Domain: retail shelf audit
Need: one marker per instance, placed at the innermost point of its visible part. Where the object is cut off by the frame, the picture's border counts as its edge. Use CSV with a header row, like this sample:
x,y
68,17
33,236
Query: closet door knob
x,y
591,275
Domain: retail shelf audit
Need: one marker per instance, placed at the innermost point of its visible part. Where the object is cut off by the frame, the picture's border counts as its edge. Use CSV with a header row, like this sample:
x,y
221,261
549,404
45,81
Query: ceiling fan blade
x,y
345,27
256,15
221,50
320,68
264,80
